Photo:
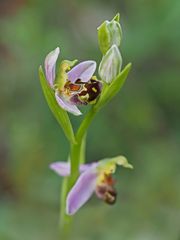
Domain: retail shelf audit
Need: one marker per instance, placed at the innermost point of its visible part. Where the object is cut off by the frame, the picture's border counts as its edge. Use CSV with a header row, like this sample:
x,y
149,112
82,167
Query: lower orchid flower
x,y
74,86
94,178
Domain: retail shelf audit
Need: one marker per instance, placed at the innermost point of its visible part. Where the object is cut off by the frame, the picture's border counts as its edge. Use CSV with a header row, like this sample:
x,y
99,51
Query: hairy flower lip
x,y
83,71
93,178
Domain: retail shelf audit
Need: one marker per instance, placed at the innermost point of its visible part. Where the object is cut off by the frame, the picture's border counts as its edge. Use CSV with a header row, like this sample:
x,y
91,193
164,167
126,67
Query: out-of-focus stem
x,y
77,156
65,220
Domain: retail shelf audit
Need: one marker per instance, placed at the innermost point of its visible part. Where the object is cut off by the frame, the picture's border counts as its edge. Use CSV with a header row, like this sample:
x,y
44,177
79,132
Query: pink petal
x,y
63,168
83,71
81,191
50,65
86,166
67,106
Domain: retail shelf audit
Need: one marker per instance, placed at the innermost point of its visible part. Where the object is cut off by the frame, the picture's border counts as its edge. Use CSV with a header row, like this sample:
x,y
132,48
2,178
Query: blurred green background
x,y
142,122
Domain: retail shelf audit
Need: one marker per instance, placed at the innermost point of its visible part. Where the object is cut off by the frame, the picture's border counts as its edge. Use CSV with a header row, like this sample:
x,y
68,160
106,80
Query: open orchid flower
x,y
74,86
95,177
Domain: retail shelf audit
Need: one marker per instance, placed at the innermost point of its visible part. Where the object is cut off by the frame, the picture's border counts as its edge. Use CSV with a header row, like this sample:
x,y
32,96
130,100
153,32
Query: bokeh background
x,y
142,122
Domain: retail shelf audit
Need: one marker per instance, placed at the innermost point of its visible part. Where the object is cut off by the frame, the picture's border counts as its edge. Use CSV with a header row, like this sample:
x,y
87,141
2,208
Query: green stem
x,y
77,156
77,152
86,123
65,220
83,150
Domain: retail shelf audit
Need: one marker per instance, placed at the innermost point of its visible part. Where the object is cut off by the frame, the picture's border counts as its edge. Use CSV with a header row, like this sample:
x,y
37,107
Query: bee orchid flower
x,y
74,86
94,178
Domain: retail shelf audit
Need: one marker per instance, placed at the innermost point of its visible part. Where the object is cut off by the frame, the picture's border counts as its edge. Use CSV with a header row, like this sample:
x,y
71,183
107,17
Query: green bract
x,y
109,91
109,33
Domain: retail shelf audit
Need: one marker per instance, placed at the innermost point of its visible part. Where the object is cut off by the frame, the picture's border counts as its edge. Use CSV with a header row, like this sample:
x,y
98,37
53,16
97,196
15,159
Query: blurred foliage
x,y
141,123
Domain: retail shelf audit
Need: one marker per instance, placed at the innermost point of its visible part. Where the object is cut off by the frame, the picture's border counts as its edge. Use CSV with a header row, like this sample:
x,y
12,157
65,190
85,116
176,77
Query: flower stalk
x,y
75,85
77,156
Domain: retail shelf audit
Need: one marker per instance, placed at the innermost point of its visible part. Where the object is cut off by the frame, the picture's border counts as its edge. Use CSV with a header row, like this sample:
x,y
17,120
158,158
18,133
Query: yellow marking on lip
x,y
94,89
85,97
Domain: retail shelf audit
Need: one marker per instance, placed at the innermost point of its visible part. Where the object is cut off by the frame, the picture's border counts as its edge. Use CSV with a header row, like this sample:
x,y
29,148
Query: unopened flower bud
x,y
110,65
109,33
